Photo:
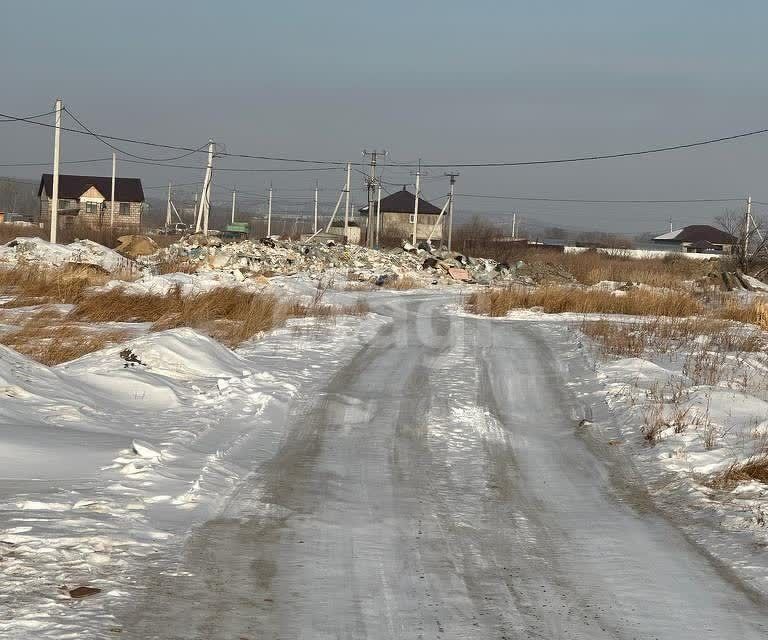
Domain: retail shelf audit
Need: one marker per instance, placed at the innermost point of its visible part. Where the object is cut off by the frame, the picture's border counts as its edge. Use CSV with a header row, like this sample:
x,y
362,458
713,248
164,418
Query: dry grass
x,y
754,313
33,284
230,315
553,299
668,335
754,468
10,231
47,338
402,283
591,267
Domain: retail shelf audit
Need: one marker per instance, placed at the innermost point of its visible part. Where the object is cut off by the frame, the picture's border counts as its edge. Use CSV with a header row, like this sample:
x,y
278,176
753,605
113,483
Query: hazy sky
x,y
442,81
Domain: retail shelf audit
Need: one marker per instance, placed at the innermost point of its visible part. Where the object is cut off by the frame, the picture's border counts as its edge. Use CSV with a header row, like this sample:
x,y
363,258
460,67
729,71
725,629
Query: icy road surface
x,y
441,486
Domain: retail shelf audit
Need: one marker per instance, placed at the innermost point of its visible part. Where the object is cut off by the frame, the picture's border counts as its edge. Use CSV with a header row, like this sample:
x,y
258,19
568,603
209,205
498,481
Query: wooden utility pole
x,y
453,177
114,173
416,203
55,188
347,186
269,212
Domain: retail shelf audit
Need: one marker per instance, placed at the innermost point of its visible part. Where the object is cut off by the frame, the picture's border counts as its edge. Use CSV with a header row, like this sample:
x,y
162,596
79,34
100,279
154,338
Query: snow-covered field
x,y
108,460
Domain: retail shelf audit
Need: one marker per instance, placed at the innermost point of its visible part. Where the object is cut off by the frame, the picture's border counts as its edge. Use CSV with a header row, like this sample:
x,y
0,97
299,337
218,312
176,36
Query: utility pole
x,y
670,224
346,201
315,228
114,173
168,210
514,225
378,217
416,203
55,188
453,177
747,221
207,191
234,199
269,212
371,182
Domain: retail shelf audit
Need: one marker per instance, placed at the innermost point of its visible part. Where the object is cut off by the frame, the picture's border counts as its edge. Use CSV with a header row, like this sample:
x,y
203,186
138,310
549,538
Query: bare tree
x,y
755,237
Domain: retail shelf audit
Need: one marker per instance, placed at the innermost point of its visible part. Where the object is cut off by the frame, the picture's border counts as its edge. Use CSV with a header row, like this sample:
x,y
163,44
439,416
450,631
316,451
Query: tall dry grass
x,y
36,284
48,338
553,299
231,315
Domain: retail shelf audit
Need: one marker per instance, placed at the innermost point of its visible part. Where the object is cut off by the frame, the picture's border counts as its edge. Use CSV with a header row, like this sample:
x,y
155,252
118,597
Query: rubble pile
x,y
268,257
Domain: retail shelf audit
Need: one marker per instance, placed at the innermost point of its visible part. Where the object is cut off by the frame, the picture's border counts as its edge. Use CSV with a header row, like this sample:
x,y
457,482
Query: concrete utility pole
x,y
416,203
453,177
269,212
55,188
168,209
207,191
114,173
347,187
315,228
514,225
378,217
371,182
234,199
747,221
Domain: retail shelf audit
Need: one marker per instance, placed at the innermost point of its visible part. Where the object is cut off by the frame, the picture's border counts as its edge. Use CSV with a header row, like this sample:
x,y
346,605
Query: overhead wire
x,y
574,159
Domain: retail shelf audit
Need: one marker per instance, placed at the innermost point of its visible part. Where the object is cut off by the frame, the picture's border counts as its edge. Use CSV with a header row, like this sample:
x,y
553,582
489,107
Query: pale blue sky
x,y
444,81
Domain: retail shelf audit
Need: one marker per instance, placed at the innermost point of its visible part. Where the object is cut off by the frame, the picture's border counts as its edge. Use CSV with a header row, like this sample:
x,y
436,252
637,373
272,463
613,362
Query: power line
x,y
131,155
40,115
597,201
45,164
574,159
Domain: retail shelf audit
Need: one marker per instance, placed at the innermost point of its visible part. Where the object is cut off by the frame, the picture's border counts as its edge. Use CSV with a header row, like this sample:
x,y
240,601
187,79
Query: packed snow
x,y
108,460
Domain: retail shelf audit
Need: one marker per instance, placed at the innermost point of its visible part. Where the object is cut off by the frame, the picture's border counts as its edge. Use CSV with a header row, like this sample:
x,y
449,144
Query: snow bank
x,y
109,460
39,251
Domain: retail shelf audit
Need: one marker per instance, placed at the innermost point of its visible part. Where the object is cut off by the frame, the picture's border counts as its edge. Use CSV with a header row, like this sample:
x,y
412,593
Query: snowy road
x,y
441,487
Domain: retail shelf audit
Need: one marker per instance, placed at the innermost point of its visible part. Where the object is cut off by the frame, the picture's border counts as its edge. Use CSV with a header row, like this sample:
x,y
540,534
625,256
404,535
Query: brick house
x,y
397,216
87,200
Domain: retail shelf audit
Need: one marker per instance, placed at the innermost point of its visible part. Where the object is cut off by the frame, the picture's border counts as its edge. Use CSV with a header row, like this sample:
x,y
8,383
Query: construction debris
x,y
269,257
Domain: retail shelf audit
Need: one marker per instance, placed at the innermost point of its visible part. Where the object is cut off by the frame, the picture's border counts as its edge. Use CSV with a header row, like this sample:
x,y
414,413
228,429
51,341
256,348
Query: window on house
x,y
125,208
411,218
63,204
91,207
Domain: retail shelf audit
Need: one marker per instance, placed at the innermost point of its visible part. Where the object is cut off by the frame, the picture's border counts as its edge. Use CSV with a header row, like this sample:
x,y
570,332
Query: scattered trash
x,y
83,592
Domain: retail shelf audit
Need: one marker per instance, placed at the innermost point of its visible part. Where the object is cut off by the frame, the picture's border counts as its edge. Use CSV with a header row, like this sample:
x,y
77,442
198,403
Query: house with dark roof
x,y
87,199
698,238
397,216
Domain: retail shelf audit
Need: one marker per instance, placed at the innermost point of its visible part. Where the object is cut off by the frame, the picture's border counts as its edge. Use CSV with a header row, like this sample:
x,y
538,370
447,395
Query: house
x,y
698,238
397,217
87,199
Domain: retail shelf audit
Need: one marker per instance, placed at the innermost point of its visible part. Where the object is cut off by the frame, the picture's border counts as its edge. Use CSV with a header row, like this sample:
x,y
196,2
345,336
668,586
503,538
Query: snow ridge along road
x,y
441,486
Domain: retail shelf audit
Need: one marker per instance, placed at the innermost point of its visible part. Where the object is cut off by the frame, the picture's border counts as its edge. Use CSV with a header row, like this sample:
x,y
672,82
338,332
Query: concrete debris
x,y
268,257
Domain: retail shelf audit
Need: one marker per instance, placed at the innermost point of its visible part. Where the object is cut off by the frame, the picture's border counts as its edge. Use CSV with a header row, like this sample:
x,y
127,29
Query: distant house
x,y
87,199
698,238
397,216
